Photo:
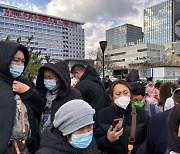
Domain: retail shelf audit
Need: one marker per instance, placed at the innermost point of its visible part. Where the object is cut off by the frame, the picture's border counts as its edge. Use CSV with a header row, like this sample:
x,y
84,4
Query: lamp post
x,y
103,45
47,57
152,72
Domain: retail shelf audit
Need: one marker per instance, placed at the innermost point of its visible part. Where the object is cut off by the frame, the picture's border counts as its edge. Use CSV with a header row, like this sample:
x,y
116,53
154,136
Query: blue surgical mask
x,y
81,141
51,84
16,70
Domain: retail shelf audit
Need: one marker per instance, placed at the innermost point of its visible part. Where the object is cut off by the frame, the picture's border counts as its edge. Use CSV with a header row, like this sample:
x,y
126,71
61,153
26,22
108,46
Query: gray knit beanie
x,y
72,116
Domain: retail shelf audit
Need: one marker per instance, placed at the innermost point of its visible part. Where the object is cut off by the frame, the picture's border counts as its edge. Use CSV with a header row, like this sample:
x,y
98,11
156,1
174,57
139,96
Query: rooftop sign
x,y
38,18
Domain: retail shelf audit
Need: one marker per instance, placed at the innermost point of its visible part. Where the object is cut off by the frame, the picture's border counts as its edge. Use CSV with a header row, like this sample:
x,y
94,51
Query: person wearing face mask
x,y
17,93
157,137
152,94
53,81
90,86
112,140
72,131
139,99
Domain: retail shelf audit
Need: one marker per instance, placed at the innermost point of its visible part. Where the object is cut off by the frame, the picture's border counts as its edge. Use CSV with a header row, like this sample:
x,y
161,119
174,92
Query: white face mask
x,y
76,80
122,102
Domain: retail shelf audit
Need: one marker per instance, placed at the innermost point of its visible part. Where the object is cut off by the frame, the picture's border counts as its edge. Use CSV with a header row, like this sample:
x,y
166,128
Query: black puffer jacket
x,y
54,143
92,90
106,117
31,98
66,93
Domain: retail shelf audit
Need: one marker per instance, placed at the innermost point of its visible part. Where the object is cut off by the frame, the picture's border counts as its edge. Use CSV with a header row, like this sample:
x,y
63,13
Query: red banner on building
x,y
38,18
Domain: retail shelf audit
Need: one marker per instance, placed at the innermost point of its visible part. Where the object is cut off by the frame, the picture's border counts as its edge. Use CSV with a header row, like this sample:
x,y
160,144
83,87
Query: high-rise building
x,y
123,35
57,37
160,21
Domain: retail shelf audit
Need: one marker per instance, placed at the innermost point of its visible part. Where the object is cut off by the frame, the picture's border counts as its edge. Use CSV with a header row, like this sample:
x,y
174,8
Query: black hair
x,y
77,67
158,85
165,92
173,126
111,88
138,88
149,79
133,76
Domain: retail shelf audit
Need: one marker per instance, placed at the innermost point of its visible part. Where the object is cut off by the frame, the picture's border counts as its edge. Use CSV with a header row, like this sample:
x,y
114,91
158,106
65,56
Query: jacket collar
x,y
122,111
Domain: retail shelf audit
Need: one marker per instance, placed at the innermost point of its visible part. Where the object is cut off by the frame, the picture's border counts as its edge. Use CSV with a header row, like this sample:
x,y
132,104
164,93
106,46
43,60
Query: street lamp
x,y
47,57
152,72
103,45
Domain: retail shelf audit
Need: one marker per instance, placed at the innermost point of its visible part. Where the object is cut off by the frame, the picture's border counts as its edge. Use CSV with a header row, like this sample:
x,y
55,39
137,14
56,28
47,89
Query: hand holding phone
x,y
115,130
118,122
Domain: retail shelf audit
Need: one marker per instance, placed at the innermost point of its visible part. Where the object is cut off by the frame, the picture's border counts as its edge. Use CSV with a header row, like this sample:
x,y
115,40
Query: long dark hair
x,y
173,126
165,92
111,88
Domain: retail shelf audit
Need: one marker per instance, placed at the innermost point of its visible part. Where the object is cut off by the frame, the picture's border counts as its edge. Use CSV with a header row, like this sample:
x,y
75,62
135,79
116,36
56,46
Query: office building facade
x,y
160,21
56,37
123,35
134,56
138,53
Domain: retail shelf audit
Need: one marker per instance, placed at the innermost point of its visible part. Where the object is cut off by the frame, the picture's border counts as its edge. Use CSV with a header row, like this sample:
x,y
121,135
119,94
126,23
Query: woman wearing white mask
x,y
72,131
21,105
115,140
53,81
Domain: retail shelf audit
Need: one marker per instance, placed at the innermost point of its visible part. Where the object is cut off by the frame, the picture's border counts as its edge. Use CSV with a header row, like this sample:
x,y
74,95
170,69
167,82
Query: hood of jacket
x,y
7,51
8,105
133,76
91,74
62,70
54,140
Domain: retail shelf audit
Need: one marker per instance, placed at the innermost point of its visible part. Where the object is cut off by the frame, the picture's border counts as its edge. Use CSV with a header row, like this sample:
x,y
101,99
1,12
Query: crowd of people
x,y
92,117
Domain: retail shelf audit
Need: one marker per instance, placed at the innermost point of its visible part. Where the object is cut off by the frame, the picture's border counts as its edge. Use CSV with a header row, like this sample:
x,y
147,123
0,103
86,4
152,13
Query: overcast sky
x,y
98,15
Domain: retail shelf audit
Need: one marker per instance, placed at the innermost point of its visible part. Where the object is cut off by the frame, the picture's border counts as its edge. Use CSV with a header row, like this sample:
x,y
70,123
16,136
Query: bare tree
x,y
97,56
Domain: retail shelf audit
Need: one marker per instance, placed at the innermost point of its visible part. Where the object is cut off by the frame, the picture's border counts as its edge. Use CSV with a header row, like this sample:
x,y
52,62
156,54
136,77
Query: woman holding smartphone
x,y
112,138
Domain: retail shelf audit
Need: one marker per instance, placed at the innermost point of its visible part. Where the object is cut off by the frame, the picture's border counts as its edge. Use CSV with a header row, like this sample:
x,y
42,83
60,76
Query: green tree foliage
x,y
34,61
8,38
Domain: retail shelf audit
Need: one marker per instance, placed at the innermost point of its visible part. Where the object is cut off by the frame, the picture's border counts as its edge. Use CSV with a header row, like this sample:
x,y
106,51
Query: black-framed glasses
x,y
176,91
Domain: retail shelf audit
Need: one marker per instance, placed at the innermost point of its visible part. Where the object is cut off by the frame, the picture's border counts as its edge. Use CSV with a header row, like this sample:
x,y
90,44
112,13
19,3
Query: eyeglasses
x,y
176,91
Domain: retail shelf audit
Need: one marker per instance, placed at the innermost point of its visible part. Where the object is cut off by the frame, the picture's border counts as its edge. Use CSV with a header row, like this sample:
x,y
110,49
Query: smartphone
x,y
118,122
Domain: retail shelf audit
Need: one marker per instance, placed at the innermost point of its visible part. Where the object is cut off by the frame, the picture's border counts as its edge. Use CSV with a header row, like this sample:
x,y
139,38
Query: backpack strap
x,y
23,122
133,130
23,130
16,146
